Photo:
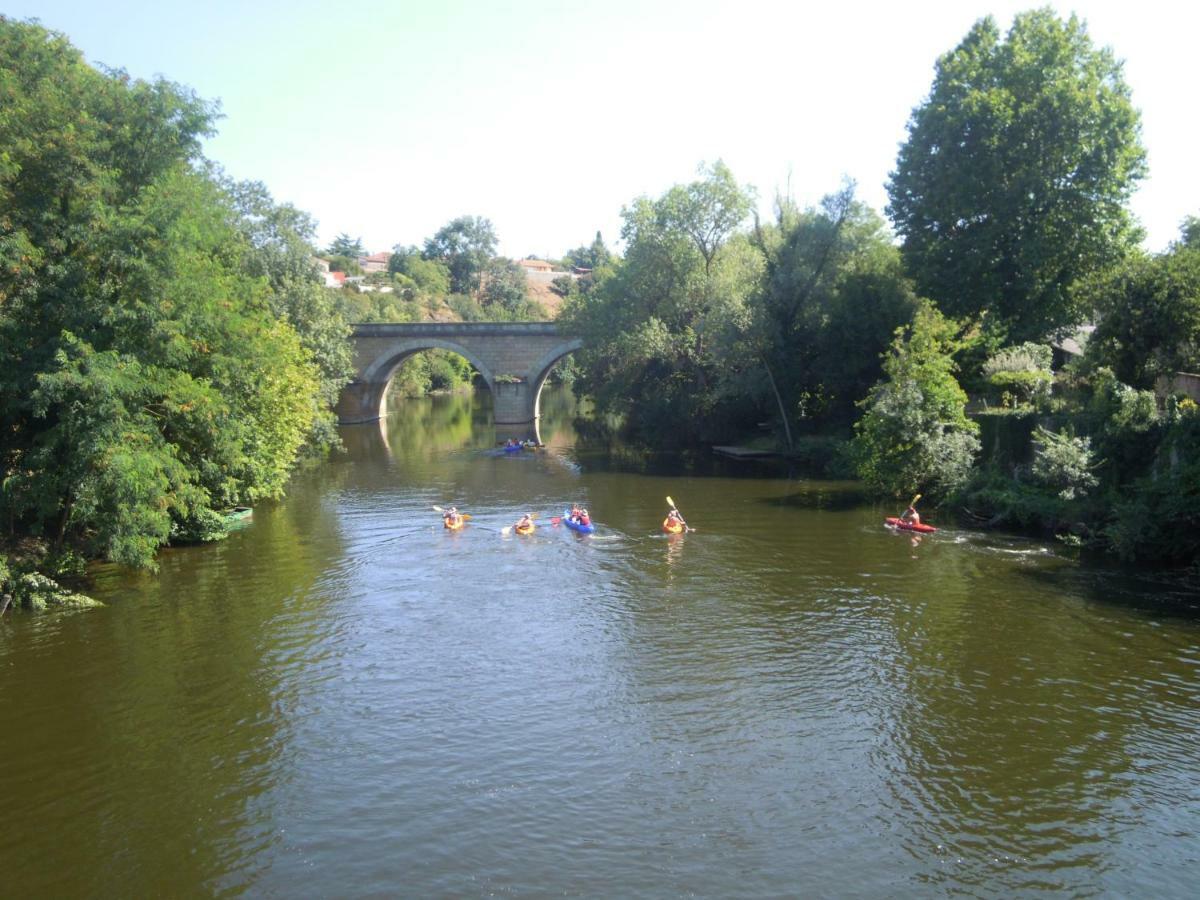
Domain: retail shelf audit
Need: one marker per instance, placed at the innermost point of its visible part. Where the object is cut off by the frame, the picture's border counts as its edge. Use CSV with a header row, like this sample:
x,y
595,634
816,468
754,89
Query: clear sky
x,y
387,119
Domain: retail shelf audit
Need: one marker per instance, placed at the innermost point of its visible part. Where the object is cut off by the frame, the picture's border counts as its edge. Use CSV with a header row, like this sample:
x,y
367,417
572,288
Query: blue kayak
x,y
576,526
517,449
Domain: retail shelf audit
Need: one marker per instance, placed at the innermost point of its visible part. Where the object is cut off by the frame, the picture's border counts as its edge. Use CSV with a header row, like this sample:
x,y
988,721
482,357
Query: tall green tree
x,y
1013,182
279,249
652,326
832,295
466,245
146,382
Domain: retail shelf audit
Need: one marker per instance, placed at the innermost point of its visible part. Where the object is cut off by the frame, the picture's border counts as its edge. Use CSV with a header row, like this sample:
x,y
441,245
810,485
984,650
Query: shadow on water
x,y
1167,594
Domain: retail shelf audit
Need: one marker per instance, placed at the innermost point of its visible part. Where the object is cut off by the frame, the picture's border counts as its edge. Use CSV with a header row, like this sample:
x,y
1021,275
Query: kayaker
x,y
452,519
583,518
525,523
911,516
674,521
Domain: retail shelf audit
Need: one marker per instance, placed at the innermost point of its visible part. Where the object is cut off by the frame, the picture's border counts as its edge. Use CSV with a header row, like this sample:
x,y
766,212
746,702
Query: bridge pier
x,y
361,402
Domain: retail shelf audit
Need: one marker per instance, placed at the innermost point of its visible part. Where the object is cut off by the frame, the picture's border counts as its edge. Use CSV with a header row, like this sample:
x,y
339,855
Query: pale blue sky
x,y
386,120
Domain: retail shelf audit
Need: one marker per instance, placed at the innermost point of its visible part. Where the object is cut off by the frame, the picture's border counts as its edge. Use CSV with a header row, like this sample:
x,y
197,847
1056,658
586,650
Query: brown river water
x,y
344,699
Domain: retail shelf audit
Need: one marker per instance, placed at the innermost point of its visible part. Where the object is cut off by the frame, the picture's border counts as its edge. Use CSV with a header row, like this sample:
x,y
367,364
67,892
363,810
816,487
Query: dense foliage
x,y
1149,315
1013,183
465,245
914,435
832,295
166,352
651,328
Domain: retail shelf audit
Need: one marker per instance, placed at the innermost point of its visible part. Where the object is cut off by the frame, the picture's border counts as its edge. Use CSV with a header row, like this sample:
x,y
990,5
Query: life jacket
x,y
524,529
454,523
672,526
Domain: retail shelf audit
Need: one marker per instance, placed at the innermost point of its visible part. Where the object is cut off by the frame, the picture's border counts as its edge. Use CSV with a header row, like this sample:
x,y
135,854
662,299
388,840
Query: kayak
x,y
455,526
667,527
893,522
514,449
527,530
575,525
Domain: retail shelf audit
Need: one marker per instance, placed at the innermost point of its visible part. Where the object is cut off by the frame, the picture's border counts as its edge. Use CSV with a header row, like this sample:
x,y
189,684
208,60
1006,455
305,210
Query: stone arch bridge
x,y
514,359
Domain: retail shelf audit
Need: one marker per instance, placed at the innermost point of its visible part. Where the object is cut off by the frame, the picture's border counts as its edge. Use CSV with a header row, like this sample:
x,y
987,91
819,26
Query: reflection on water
x,y
344,699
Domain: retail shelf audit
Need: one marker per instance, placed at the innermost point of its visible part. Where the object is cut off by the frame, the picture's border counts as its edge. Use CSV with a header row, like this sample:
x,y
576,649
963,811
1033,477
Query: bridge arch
x,y
514,359
540,371
380,371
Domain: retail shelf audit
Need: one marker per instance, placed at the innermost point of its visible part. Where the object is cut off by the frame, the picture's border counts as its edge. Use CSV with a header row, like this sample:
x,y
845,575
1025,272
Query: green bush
x,y
1064,463
1018,388
1027,357
915,435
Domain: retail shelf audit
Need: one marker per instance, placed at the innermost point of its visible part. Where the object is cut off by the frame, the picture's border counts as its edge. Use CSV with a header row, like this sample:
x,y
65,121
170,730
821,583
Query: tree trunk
x,y
787,428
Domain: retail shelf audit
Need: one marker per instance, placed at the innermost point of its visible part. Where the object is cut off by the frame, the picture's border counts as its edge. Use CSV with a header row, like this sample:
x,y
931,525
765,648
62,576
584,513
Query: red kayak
x,y
908,526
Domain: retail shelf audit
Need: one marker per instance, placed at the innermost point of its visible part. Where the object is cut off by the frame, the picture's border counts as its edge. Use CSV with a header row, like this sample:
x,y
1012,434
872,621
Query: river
x,y
344,699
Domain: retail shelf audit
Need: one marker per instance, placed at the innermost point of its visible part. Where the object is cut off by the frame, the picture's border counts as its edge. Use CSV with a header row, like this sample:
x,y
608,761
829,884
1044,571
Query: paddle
x,y
463,516
671,503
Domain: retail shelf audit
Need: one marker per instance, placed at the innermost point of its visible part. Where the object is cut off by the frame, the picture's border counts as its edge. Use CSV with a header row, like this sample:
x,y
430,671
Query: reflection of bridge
x,y
514,359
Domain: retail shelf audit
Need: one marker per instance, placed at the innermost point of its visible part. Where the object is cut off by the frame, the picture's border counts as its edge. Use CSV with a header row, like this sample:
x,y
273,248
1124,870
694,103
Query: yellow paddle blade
x,y
670,502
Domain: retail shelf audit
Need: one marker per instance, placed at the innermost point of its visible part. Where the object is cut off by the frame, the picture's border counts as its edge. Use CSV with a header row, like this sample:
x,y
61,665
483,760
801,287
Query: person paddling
x,y
451,518
525,524
674,522
582,517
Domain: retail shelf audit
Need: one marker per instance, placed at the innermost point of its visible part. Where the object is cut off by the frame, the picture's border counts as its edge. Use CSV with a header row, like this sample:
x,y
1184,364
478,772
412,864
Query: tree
x,y
466,245
1013,182
1148,313
593,256
344,245
504,286
651,326
430,277
279,248
832,295
146,382
915,435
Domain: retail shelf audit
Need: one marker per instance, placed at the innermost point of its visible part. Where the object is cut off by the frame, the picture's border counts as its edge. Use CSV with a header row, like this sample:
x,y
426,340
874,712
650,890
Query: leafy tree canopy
x,y
1148,314
651,327
146,380
466,245
915,435
344,245
832,295
1014,179
594,256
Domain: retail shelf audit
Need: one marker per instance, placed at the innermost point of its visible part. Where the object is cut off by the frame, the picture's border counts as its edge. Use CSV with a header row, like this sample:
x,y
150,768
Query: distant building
x,y
535,265
335,279
376,262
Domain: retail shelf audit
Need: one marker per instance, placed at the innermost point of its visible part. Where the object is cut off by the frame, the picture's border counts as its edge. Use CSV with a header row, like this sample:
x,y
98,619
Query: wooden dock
x,y
744,453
